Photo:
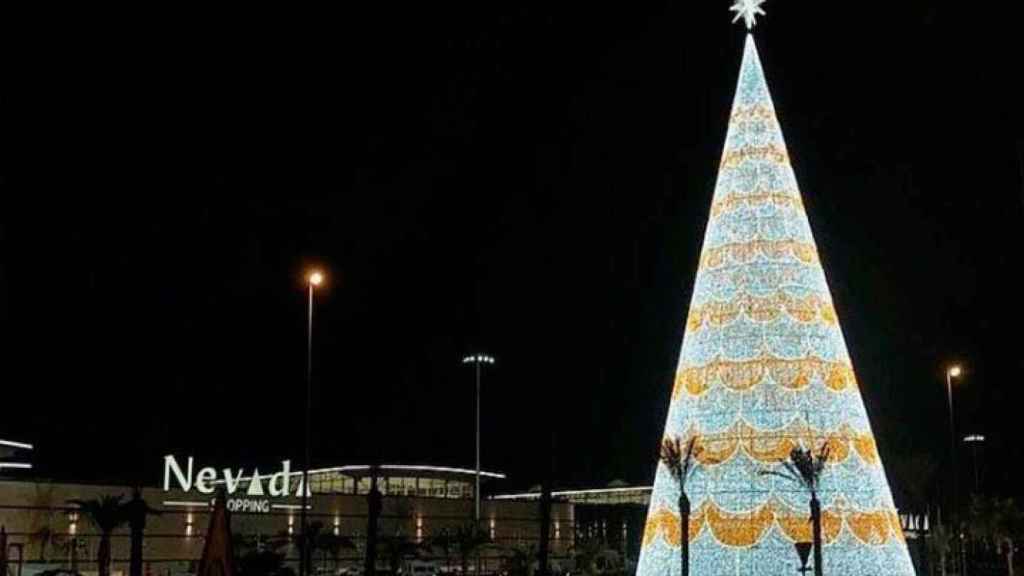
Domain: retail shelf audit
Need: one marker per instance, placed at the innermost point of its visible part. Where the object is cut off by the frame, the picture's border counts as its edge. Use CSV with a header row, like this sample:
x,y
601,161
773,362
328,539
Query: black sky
x,y
530,179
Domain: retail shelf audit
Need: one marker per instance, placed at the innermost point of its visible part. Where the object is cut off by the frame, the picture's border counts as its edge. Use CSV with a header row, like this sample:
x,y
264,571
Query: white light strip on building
x,y
14,444
401,467
496,475
186,503
531,495
18,465
382,468
290,506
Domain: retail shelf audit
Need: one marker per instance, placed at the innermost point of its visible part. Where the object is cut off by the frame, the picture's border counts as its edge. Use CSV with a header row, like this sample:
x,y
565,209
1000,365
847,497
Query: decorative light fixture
x,y
478,358
73,523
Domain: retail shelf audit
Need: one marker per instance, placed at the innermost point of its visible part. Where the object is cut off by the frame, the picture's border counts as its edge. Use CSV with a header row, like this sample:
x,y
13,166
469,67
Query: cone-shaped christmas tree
x,y
763,370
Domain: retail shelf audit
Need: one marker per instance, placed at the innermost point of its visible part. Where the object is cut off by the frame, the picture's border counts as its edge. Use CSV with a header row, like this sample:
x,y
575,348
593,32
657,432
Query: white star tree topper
x,y
748,10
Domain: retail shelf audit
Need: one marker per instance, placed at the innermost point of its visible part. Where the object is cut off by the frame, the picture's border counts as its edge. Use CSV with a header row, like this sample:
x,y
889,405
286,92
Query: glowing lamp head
x,y
478,359
955,371
316,278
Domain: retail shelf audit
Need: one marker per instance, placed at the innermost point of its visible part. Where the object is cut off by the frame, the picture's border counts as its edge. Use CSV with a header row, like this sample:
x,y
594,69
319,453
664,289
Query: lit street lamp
x,y
953,371
315,279
477,360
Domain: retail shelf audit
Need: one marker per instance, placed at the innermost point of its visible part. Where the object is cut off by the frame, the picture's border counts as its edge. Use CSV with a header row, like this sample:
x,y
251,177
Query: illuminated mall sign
x,y
255,496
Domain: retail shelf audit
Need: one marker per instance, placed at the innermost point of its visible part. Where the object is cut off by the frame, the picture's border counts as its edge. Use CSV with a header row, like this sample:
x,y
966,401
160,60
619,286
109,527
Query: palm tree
x,y
445,542
995,521
398,547
805,468
44,535
938,544
42,531
135,512
265,562
106,514
323,541
516,560
585,554
468,539
680,464
330,546
544,548
375,505
306,539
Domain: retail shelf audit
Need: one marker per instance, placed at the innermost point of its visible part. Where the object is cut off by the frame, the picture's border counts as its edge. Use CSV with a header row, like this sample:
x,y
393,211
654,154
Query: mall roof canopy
x,y
12,455
614,495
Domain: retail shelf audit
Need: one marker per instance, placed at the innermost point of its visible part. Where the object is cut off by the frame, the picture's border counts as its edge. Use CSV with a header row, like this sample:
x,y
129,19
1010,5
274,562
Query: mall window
x,y
348,485
363,486
437,489
395,486
423,489
409,486
455,489
317,484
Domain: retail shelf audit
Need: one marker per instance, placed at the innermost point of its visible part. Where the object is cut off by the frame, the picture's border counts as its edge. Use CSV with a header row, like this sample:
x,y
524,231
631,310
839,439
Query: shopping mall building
x,y
45,529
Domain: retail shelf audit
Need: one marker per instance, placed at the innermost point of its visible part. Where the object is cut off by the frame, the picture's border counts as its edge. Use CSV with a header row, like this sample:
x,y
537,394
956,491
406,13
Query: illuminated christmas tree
x,y
764,369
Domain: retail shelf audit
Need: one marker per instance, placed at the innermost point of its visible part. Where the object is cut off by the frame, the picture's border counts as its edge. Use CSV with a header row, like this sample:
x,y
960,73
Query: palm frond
x,y
779,474
819,464
803,461
691,446
671,455
794,471
106,512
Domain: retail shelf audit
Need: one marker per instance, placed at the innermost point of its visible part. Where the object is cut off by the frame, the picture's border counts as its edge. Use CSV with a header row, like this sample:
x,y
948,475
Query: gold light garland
x,y
779,199
768,153
773,446
757,112
746,529
742,375
746,252
761,309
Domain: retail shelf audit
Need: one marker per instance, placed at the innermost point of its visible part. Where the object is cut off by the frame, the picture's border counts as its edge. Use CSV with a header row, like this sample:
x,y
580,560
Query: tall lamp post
x,y
953,371
477,360
313,280
975,440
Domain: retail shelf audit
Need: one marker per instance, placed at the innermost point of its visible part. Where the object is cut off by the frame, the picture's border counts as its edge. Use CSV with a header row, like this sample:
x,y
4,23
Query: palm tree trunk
x,y
374,503
103,555
816,525
135,562
1009,555
684,539
922,553
545,528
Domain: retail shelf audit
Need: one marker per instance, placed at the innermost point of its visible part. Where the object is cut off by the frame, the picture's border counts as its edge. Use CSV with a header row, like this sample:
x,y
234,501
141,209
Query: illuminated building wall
x,y
763,368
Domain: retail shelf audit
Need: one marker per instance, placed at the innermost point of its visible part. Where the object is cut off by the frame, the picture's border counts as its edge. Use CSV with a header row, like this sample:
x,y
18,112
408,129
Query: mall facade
x,y
45,529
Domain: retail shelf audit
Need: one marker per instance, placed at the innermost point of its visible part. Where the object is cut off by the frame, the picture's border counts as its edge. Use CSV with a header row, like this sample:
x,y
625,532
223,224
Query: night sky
x,y
531,180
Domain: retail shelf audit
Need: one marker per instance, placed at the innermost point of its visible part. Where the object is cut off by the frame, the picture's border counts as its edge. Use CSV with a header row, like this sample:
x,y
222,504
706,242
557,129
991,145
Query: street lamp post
x,y
953,372
314,279
975,440
478,360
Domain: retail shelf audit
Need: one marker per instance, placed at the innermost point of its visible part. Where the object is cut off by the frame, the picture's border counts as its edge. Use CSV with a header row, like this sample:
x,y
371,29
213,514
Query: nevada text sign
x,y
205,480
